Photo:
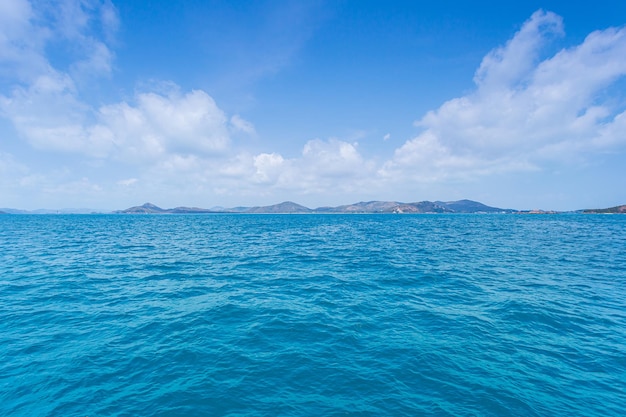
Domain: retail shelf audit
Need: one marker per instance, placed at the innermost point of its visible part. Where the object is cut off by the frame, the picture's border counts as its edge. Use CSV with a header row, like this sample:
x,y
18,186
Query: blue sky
x,y
109,104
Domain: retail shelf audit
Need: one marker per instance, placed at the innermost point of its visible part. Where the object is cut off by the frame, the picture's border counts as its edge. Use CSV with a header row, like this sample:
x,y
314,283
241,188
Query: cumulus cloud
x,y
268,167
50,116
333,158
47,112
323,166
525,112
45,102
158,124
331,166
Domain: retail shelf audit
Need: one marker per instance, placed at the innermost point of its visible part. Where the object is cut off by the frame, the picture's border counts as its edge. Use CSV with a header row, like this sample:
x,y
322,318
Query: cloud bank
x,y
525,113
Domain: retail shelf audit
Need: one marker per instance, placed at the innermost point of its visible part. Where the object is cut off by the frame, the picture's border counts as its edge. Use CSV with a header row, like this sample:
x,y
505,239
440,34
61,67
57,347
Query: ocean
x,y
313,315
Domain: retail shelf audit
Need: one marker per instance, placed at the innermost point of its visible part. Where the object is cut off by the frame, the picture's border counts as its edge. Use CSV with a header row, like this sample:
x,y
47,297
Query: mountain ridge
x,y
363,207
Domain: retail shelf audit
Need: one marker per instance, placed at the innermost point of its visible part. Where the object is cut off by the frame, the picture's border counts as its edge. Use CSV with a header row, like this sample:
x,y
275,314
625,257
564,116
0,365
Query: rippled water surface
x,y
312,315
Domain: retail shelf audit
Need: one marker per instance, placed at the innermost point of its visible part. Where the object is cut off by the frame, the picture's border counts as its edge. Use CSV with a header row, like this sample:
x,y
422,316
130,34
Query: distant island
x,y
610,210
289,207
363,207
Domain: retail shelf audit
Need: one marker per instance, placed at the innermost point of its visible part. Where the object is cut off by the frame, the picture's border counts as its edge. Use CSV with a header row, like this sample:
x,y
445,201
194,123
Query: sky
x,y
108,104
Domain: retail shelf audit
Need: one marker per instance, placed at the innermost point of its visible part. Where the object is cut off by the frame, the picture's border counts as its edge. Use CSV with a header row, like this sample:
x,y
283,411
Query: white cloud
x,y
268,167
329,166
169,129
47,113
332,158
50,115
159,125
240,124
78,23
324,166
514,62
523,113
43,102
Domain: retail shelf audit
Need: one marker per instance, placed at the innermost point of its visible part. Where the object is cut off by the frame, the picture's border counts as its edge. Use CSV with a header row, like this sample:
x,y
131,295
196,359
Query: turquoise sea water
x,y
312,315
